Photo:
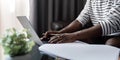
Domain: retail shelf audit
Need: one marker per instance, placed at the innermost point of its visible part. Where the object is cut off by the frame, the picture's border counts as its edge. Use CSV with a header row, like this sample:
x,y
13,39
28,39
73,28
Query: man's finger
x,y
49,34
54,39
61,41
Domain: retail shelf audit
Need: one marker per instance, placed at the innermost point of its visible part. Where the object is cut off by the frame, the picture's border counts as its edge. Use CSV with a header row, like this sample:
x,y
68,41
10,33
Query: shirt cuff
x,y
82,19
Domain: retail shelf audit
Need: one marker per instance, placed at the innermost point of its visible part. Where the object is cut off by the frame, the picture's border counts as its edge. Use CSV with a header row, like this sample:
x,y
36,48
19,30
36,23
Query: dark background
x,y
45,12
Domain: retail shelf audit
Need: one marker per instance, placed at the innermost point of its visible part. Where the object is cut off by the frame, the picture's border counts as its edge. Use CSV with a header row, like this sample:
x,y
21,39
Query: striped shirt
x,y
103,12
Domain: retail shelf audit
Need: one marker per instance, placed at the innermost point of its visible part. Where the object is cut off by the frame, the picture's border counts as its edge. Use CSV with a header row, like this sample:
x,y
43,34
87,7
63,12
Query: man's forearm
x,y
72,27
91,32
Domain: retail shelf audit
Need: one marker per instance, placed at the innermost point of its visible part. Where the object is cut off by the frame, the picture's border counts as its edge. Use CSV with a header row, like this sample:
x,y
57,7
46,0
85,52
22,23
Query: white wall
x,y
1,53
9,9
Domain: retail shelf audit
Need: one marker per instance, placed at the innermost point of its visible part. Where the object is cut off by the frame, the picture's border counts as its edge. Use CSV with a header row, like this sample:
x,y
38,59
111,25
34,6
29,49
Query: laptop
x,y
26,24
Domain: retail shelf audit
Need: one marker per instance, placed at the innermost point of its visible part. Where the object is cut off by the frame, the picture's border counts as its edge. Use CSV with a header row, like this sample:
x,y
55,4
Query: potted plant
x,y
17,42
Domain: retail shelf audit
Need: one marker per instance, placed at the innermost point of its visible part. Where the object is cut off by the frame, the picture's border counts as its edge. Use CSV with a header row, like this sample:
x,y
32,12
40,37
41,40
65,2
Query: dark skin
x,y
70,33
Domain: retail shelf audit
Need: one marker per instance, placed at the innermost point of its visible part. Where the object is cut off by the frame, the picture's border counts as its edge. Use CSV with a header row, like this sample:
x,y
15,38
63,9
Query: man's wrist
x,y
74,36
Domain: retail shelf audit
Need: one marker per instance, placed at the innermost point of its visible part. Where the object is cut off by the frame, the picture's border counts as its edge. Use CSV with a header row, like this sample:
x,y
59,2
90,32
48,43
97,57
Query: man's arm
x,y
82,35
72,27
91,32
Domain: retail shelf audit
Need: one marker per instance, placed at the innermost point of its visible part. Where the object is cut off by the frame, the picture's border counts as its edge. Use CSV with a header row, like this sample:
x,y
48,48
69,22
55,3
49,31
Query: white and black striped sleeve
x,y
84,16
111,23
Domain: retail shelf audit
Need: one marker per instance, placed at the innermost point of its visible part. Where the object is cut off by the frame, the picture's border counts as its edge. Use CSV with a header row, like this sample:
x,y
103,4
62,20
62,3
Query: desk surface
x,y
81,52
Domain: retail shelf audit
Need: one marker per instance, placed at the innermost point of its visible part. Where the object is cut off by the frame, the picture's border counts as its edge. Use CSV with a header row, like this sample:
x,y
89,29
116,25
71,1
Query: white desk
x,y
78,51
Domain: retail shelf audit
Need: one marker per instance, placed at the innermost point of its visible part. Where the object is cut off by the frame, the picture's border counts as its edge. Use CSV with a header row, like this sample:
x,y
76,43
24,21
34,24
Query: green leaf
x,y
16,42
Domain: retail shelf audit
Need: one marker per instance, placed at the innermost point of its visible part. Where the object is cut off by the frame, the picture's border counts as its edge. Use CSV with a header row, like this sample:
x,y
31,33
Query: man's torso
x,y
99,9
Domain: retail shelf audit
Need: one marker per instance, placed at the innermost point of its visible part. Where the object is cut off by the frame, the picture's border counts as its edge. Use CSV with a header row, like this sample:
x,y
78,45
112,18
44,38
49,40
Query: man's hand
x,y
62,38
48,35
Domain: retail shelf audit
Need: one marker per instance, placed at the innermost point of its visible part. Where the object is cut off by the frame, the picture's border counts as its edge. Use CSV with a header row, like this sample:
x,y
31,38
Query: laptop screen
x,y
26,24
